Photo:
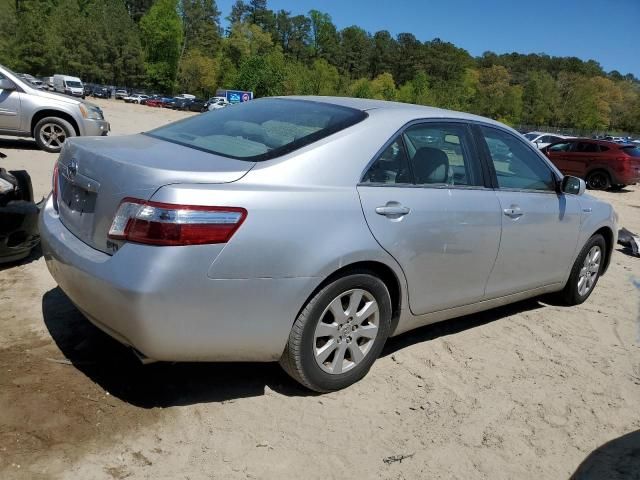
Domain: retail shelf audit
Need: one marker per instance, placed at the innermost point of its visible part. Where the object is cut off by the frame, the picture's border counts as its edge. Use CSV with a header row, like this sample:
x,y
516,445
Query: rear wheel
x,y
585,272
339,334
51,132
598,180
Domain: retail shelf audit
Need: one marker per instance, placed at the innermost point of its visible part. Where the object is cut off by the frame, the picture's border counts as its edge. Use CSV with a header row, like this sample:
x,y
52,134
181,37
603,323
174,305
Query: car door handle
x,y
513,212
393,210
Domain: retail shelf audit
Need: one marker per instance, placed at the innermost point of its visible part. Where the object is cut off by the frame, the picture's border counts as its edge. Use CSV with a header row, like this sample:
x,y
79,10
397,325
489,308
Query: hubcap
x,y
346,331
52,135
589,271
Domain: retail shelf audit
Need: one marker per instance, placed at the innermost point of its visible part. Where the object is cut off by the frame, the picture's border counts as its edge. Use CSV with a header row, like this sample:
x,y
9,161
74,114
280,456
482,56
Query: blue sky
x,y
607,31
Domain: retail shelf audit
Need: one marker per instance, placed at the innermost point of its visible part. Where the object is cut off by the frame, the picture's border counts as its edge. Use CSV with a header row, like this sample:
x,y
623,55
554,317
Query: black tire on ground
x,y
571,294
298,358
46,125
617,188
598,180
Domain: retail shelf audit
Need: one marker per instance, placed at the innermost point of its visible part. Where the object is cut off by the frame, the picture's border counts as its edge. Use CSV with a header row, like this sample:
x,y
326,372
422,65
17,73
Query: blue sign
x,y
235,96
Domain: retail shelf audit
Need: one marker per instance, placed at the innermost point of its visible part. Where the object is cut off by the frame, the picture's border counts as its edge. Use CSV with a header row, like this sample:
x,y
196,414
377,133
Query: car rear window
x,y
633,151
260,129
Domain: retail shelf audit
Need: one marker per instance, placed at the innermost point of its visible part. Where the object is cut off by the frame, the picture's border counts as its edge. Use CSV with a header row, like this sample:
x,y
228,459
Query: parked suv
x,y
603,164
50,118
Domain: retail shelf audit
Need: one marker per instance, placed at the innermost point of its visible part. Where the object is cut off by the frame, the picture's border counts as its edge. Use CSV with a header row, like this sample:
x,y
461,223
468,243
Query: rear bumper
x,y
160,300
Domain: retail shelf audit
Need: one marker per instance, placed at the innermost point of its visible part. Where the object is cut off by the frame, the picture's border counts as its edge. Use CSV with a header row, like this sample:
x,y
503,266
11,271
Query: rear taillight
x,y
166,224
54,186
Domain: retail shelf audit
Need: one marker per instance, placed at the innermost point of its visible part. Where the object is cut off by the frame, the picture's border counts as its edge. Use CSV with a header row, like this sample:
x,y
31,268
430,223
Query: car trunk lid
x,y
96,173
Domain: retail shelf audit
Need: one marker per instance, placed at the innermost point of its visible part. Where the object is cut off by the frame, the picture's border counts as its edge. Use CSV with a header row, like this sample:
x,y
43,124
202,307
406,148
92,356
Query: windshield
x,y
531,136
73,84
260,129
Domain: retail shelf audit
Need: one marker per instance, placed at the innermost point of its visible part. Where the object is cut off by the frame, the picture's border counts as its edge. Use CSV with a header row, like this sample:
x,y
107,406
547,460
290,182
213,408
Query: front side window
x,y
441,154
516,165
560,147
391,167
260,129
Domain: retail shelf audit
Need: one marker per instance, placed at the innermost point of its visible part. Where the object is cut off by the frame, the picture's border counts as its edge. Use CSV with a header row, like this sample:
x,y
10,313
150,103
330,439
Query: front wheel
x,y
51,132
340,333
585,272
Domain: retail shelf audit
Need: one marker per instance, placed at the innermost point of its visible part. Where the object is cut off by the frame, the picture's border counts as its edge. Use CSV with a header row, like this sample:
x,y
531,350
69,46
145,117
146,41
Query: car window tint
x,y
391,167
560,147
441,154
516,165
603,148
586,147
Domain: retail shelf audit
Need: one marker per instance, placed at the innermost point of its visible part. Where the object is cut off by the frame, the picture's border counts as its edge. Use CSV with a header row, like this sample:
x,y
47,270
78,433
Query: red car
x,y
602,164
154,102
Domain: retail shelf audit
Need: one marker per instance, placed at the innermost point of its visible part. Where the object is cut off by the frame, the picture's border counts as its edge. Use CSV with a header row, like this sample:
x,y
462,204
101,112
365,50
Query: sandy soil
x,y
527,391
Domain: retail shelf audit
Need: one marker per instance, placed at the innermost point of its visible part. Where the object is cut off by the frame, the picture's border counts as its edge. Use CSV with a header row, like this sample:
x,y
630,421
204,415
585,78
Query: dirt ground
x,y
529,391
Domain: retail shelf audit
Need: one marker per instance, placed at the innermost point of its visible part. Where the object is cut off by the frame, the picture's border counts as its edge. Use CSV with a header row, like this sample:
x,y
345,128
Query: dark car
x,y
182,103
101,92
603,164
18,216
197,105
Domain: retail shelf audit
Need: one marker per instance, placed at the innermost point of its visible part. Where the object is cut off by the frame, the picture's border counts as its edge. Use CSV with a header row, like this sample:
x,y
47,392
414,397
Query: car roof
x,y
409,110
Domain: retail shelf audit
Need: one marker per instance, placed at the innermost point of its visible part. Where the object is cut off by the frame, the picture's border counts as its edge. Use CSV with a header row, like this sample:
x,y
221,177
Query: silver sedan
x,y
309,230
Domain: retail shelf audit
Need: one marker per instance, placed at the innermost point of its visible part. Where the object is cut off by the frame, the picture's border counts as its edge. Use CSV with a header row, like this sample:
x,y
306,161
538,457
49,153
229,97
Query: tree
x,y
162,35
198,73
324,36
540,99
382,53
355,50
201,25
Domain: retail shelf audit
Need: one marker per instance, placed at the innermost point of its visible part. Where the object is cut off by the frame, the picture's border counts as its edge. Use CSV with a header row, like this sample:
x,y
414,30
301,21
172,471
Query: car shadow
x,y
626,251
457,325
18,144
36,254
116,369
615,460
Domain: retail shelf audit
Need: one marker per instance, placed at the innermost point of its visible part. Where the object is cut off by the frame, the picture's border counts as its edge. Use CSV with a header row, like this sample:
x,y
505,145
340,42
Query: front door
x,y
425,202
539,225
9,109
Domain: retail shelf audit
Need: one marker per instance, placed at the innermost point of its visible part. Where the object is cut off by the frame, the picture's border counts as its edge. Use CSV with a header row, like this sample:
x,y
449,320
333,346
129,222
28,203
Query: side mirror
x,y
573,185
6,84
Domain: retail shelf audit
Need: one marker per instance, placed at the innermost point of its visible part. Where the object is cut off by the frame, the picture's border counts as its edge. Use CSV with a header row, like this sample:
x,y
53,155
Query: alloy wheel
x,y
346,331
589,271
52,135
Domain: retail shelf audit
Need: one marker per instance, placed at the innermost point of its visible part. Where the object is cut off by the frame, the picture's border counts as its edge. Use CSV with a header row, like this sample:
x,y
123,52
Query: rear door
x,y
426,203
539,225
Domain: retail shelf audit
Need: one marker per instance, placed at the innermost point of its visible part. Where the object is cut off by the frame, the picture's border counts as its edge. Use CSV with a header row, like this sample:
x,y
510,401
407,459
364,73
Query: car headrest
x,y
431,165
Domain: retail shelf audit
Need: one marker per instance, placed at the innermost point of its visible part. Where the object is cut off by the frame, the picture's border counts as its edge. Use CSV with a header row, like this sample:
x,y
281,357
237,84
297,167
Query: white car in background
x,y
542,139
137,98
216,103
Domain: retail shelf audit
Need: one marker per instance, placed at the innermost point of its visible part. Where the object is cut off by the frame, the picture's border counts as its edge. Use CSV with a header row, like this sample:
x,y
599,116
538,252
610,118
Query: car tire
x,y
598,180
51,132
330,362
585,272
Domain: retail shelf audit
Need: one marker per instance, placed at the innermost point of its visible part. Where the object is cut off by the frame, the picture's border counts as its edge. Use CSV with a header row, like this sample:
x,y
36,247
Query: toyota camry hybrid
x,y
310,229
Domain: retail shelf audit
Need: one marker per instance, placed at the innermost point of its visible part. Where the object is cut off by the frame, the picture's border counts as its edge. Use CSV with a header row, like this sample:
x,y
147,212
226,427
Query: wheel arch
x,y
380,270
599,168
40,114
607,234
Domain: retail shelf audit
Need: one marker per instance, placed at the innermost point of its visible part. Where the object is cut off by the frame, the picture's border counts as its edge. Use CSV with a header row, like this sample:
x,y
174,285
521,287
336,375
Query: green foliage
x,y
178,44
161,33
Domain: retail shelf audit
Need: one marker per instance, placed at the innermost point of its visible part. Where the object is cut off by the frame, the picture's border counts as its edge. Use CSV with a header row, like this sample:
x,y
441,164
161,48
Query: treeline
x,y
179,45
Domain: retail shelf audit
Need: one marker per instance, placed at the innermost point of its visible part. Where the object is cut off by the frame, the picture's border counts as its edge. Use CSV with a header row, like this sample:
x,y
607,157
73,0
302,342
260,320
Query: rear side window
x,y
441,154
516,165
586,147
391,167
632,151
260,129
